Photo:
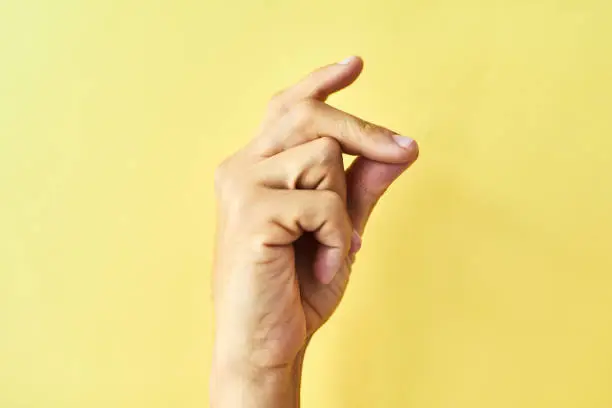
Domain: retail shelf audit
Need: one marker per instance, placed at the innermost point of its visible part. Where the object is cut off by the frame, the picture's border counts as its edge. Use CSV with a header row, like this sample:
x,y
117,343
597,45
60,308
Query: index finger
x,y
323,82
310,120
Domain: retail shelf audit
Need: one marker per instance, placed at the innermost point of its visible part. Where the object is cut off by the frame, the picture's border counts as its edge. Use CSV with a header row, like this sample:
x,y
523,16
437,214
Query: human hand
x,y
290,220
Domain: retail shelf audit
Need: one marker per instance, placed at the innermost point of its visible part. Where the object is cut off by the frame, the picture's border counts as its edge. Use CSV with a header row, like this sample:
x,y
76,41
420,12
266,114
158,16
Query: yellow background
x,y
486,274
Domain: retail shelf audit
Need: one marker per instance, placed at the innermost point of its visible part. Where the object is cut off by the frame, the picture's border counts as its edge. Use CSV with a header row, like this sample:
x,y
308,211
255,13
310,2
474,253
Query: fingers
x,y
322,82
311,166
322,213
310,119
367,181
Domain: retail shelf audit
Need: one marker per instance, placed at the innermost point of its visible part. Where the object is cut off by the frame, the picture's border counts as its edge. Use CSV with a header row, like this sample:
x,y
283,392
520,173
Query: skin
x,y
289,225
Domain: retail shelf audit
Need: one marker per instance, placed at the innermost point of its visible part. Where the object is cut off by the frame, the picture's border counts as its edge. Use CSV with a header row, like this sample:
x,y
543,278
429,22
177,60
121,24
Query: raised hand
x,y
290,222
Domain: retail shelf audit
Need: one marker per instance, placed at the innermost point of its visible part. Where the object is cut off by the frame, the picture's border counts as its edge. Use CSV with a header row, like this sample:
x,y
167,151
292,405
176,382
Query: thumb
x,y
367,180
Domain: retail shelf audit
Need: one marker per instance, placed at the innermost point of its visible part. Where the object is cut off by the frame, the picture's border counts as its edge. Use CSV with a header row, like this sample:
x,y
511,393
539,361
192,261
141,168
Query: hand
x,y
290,221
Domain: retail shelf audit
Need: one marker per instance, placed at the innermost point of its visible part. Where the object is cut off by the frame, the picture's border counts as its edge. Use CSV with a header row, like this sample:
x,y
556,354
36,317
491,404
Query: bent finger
x,y
316,165
310,120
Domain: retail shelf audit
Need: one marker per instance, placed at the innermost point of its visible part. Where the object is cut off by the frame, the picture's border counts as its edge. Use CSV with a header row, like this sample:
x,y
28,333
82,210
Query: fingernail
x,y
347,61
355,242
403,141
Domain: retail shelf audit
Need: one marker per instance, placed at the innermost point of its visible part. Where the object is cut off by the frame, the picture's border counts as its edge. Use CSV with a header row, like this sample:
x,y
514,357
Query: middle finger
x,y
316,165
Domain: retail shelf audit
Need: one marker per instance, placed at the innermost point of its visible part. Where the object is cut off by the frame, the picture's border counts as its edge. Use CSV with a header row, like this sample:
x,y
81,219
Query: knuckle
x,y
332,201
330,151
330,147
302,113
228,183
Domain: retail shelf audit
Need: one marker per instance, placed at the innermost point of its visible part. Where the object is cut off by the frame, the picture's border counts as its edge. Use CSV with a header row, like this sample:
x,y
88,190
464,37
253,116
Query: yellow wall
x,y
486,276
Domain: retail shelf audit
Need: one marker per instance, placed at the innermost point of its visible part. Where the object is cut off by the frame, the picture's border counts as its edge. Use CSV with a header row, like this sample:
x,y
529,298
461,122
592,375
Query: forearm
x,y
238,386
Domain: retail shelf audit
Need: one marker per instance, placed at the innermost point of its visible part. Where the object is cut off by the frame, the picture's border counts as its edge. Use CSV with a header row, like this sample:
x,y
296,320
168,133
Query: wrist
x,y
240,384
